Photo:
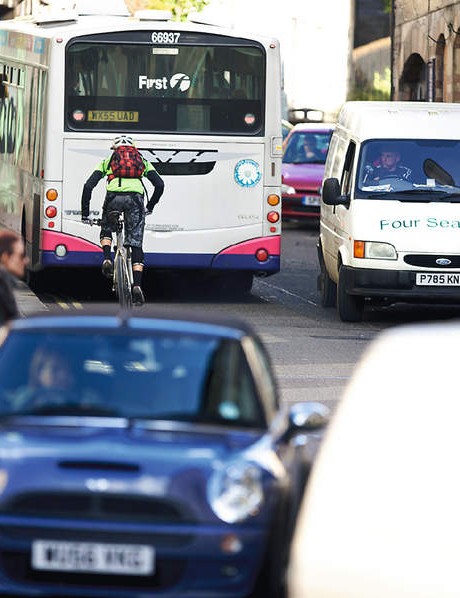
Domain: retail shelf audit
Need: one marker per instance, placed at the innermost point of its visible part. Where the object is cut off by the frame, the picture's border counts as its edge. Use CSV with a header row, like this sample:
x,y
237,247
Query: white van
x,y
390,206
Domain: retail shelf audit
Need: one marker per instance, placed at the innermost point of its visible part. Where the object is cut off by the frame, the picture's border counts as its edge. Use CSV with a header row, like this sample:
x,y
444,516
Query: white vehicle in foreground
x,y
381,517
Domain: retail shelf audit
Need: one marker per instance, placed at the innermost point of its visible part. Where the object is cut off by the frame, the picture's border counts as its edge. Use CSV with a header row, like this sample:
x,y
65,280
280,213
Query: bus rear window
x,y
142,87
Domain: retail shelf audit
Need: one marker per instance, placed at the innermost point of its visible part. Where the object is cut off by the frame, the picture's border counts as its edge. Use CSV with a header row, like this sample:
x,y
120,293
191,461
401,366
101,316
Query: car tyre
x,y
272,578
349,307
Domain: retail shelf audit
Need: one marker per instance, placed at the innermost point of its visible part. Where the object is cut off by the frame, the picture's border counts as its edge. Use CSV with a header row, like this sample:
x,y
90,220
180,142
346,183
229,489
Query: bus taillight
x,y
273,199
51,194
273,216
262,255
51,212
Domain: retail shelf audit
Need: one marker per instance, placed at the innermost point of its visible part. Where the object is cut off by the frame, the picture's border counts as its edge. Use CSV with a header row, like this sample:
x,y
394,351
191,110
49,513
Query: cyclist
x,y
125,195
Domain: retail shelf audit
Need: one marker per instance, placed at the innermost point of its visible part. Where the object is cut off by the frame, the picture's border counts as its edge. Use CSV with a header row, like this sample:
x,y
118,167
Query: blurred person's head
x,y
50,370
310,147
12,253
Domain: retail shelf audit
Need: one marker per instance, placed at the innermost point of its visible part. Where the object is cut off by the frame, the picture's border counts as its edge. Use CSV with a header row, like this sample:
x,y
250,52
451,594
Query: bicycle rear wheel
x,y
123,283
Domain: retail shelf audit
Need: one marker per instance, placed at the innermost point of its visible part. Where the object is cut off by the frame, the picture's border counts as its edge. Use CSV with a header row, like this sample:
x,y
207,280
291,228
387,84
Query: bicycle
x,y
122,265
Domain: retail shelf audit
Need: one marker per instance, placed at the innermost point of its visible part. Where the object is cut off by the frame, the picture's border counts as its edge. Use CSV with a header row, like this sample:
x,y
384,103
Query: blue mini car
x,y
146,455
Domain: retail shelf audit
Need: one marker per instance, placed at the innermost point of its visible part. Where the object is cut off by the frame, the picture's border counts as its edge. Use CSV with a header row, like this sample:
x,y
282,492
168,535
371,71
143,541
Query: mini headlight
x,y
235,492
3,480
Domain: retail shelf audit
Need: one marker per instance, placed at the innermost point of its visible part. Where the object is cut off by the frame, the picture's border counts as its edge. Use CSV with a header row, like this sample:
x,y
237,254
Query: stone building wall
x,y
426,50
370,71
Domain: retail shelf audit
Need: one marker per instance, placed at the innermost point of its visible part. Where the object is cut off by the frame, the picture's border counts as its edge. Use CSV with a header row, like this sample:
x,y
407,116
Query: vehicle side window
x,y
229,392
346,180
340,149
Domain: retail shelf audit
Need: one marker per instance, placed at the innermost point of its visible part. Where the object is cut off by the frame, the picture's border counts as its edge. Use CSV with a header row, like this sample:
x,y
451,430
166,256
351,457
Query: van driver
x,y
388,167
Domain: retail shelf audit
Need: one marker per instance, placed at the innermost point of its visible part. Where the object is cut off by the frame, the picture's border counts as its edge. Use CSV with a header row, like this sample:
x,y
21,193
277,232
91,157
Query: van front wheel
x,y
349,307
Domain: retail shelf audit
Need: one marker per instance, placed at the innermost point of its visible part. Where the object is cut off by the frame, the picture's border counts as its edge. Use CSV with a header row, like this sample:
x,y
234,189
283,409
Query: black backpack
x,y
126,163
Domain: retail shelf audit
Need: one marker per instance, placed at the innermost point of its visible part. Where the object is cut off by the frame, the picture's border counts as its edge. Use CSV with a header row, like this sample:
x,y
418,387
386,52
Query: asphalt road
x,y
313,352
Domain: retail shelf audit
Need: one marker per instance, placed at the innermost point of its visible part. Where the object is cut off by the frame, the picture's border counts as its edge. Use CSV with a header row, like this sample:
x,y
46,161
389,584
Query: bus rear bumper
x,y
260,255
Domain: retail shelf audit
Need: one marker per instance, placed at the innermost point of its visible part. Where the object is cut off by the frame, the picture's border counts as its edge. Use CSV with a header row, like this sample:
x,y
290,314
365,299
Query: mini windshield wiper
x,y
69,409
178,417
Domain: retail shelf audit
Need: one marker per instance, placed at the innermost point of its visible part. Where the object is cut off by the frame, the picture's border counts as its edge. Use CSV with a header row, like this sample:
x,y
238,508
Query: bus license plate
x,y
89,557
310,200
118,116
432,279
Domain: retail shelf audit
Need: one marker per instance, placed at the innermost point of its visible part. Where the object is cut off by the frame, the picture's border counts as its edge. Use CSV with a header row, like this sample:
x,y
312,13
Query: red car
x,y
305,150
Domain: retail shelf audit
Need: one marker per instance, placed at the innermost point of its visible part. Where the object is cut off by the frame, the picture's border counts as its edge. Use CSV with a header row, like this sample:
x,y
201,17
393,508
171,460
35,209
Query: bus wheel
x,y
327,288
350,307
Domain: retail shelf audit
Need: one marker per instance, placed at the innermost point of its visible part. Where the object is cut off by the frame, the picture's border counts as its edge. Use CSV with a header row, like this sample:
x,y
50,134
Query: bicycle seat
x,y
114,218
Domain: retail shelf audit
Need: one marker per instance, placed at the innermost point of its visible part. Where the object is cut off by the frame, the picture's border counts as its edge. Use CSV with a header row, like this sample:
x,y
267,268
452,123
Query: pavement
x,y
27,300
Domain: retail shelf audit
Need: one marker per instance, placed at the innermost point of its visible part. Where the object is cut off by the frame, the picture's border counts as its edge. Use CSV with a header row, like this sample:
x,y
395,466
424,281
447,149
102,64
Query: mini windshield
x,y
411,170
307,147
166,376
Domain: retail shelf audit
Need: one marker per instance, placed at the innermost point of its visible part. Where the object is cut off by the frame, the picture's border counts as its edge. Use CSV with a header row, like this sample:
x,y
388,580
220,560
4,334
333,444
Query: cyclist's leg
x,y
137,258
106,238
134,235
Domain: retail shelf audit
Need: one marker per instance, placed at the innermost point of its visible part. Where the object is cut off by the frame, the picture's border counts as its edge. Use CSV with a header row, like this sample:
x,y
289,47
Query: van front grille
x,y
429,261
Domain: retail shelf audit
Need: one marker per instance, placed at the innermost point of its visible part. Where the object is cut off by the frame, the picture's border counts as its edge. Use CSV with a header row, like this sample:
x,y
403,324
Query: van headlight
x,y
235,492
374,250
380,251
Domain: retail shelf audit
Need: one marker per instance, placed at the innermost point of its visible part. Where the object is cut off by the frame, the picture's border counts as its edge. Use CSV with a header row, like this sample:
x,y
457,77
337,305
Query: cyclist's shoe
x,y
138,296
107,268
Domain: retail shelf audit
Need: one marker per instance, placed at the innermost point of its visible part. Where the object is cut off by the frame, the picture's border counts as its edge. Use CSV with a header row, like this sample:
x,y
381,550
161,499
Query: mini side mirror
x,y
309,416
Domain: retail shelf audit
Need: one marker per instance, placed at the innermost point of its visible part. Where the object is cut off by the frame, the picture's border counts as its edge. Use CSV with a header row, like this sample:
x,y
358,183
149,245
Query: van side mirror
x,y
331,193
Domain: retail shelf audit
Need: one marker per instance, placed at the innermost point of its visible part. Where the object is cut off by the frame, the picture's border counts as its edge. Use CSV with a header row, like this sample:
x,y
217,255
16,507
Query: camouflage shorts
x,y
132,206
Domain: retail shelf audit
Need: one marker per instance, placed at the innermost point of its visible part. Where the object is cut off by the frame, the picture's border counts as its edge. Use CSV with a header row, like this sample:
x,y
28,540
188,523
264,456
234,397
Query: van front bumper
x,y
395,283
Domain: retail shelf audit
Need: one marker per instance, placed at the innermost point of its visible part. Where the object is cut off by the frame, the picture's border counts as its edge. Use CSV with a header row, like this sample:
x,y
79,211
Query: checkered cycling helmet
x,y
122,140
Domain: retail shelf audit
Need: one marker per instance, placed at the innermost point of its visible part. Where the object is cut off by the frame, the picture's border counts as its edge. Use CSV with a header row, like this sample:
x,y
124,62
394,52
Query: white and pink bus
x,y
203,104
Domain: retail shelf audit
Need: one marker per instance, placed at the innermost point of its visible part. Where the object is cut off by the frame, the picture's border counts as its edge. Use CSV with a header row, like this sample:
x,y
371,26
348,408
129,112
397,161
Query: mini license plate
x,y
89,557
310,200
432,279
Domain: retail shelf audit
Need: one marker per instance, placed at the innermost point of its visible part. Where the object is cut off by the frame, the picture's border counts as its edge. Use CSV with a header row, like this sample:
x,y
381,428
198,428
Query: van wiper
x,y
421,194
455,196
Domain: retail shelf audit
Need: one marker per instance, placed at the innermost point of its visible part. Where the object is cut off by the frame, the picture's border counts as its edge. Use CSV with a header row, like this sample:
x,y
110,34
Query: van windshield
x,y
411,170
